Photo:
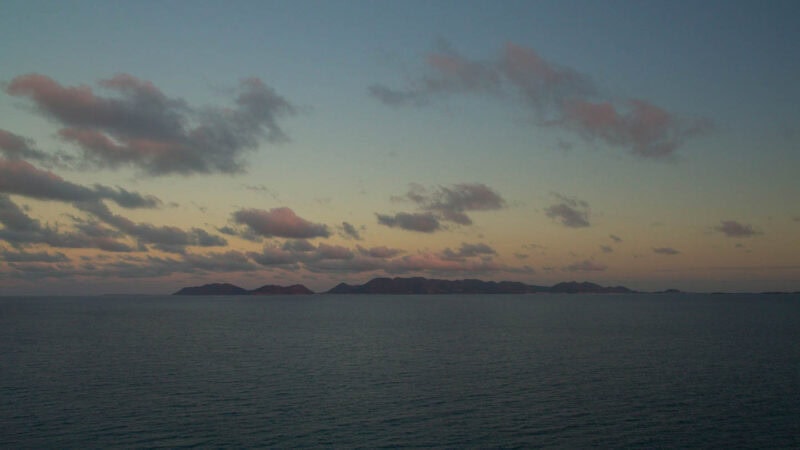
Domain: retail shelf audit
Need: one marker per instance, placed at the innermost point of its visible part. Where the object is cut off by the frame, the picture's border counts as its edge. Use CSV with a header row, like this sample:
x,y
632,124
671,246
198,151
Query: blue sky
x,y
533,131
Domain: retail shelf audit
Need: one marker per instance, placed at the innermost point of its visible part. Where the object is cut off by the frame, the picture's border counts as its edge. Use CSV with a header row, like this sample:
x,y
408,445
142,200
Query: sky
x,y
146,146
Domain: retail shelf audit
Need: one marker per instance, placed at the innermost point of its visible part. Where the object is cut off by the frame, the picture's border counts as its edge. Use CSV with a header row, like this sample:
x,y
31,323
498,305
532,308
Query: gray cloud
x,y
22,230
139,126
350,231
422,222
452,201
299,245
732,228
396,97
585,266
14,147
570,212
23,256
665,251
381,252
272,256
443,203
469,251
279,222
230,261
615,238
165,238
22,178
606,249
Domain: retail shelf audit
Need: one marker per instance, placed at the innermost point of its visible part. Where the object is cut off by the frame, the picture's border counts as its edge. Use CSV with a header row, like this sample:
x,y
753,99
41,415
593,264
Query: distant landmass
x,y
230,289
413,286
419,285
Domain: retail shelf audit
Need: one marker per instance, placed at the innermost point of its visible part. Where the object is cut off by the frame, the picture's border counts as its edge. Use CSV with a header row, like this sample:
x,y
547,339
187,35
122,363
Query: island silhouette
x,y
414,286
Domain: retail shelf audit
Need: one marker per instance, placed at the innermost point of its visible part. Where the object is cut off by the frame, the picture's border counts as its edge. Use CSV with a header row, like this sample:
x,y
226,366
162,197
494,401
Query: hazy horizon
x,y
148,146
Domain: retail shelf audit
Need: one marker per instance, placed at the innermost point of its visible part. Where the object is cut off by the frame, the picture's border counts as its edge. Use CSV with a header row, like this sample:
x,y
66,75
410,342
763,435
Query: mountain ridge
x,y
412,286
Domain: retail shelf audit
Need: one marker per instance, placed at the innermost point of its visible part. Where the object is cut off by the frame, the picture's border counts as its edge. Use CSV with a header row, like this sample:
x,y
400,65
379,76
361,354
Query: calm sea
x,y
401,371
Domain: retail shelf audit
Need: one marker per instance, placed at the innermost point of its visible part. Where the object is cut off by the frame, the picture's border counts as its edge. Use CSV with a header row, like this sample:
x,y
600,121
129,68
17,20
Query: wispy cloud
x,y
14,147
381,252
668,251
165,238
569,211
646,129
20,230
734,229
349,231
443,204
140,126
23,256
468,251
585,266
22,178
559,96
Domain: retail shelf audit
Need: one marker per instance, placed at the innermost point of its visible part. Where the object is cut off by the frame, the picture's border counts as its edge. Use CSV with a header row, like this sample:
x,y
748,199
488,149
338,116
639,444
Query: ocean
x,y
450,371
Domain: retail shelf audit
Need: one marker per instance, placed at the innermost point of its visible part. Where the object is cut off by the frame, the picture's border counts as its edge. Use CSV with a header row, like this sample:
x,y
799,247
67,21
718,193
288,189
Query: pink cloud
x,y
279,222
140,126
557,95
646,129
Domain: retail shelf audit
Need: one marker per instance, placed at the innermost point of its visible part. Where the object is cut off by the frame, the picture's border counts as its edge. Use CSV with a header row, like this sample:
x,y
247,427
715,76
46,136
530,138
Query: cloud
x,y
428,262
230,261
349,231
606,249
645,129
165,238
134,267
381,252
447,73
452,201
585,266
469,251
325,251
279,222
297,254
23,256
665,251
299,245
732,228
558,96
22,230
15,147
395,97
422,222
541,83
615,238
570,212
443,203
22,178
139,126
272,256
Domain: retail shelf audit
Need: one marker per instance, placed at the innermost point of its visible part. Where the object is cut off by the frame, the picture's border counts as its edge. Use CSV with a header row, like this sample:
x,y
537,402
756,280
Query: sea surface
x,y
477,371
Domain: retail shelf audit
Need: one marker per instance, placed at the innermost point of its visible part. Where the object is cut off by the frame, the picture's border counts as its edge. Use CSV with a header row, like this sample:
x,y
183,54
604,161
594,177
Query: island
x,y
413,286
420,285
230,289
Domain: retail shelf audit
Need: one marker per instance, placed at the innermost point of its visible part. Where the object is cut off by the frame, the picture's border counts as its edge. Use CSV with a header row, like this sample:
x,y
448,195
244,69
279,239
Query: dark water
x,y
386,371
